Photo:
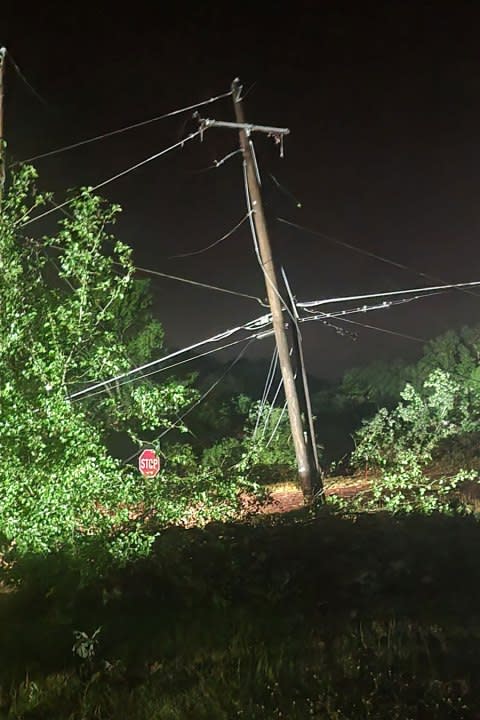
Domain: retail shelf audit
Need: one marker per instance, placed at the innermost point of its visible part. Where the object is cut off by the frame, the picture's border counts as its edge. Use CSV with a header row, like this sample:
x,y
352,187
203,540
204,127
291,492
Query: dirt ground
x,y
288,496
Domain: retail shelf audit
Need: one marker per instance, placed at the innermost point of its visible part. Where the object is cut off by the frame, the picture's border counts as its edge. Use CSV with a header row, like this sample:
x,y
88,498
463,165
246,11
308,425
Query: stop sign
x,y
149,463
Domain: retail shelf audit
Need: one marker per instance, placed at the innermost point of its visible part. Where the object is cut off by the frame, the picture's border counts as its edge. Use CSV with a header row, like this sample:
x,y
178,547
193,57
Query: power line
x,y
277,425
272,405
384,305
24,79
365,325
213,244
367,253
211,388
157,273
173,365
187,281
367,308
116,177
256,324
383,330
201,398
429,289
142,123
267,387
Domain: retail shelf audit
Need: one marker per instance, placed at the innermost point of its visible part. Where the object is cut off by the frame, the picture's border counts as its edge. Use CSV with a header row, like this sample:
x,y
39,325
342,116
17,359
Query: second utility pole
x,y
306,473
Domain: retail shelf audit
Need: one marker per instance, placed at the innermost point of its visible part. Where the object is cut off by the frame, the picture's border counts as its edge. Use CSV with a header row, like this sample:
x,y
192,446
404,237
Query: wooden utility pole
x,y
3,52
306,472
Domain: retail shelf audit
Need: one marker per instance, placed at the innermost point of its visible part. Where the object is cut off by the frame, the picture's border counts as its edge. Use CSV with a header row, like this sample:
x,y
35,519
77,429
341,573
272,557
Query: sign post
x,y
149,463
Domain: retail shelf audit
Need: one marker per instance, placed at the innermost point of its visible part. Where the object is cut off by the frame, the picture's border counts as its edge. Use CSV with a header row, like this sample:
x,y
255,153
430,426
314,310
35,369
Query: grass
x,y
308,617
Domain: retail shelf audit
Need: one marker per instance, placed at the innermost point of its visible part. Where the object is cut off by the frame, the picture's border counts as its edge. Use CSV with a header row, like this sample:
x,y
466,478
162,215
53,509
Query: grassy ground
x,y
325,617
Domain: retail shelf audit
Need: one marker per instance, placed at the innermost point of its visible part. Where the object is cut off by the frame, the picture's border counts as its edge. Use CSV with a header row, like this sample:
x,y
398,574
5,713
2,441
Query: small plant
x,y
85,645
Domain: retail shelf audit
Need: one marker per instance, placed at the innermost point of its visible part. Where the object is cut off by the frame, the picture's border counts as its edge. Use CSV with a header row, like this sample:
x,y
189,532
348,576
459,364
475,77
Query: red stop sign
x,y
149,463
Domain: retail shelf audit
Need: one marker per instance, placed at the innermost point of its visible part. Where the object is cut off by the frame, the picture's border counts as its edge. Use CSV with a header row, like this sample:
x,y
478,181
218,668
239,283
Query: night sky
x,y
383,103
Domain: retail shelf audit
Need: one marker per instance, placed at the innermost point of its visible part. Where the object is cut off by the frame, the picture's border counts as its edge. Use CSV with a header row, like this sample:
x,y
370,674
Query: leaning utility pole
x,y
3,52
306,472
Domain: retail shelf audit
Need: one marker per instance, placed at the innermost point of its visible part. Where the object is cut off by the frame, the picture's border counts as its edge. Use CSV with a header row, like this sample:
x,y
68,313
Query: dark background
x,y
383,103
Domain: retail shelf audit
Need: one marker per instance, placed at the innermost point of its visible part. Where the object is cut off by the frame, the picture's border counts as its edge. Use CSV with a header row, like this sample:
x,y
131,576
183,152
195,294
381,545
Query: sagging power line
x,y
111,179
257,324
165,368
126,128
215,243
24,79
368,253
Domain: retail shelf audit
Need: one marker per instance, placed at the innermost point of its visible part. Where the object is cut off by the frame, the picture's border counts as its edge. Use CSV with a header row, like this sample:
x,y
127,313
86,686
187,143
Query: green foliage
x,y
377,384
457,353
401,443
330,619
72,314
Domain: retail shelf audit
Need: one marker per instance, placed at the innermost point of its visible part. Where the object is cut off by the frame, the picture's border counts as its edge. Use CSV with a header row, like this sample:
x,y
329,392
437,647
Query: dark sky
x,y
383,103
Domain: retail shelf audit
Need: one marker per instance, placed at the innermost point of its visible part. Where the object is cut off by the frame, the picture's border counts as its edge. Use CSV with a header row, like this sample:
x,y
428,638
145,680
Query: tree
x,y
71,314
401,443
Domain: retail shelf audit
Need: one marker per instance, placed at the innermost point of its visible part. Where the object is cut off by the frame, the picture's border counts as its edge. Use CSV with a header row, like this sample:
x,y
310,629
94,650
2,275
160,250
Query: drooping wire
x,y
370,254
204,395
301,368
172,365
128,170
268,384
213,244
157,273
133,126
256,324
24,79
218,163
287,192
271,406
277,425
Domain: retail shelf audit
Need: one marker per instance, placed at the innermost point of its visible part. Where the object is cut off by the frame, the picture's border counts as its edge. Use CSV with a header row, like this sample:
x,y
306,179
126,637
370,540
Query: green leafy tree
x,y
71,314
400,443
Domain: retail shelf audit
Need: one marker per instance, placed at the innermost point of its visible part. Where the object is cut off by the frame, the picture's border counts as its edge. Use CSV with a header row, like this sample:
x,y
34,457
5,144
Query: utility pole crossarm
x,y
248,127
